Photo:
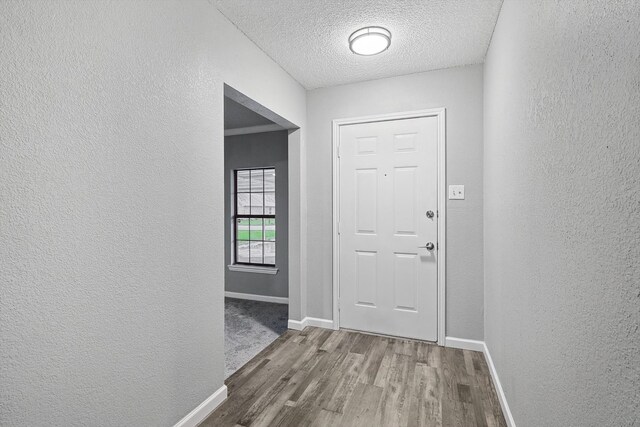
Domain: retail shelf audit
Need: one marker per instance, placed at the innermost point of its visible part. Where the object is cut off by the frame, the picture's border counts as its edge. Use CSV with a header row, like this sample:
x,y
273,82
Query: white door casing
x,y
388,173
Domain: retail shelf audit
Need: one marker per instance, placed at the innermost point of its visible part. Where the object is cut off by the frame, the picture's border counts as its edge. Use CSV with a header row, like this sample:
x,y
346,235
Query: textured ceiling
x,y
308,38
238,116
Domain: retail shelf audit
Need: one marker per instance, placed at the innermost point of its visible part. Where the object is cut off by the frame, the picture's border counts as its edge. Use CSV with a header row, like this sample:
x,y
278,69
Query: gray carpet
x,y
250,326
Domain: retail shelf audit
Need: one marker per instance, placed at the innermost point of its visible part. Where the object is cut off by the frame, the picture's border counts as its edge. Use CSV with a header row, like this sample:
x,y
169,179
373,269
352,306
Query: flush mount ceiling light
x,y
369,41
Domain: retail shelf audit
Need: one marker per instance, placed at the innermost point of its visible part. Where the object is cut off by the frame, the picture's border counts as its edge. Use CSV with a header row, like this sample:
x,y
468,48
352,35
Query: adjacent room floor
x,y
320,377
249,327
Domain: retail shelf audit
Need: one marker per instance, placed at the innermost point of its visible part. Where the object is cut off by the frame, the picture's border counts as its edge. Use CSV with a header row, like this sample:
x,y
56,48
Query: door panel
x,y
367,200
388,180
405,281
366,278
404,200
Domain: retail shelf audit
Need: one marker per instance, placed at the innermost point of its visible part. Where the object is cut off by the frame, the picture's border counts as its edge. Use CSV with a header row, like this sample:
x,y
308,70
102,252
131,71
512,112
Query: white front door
x,y
388,177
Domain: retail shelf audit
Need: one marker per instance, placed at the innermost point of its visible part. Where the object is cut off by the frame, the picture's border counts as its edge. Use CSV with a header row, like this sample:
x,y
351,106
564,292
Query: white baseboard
x,y
319,323
255,297
496,382
475,345
299,325
464,344
202,411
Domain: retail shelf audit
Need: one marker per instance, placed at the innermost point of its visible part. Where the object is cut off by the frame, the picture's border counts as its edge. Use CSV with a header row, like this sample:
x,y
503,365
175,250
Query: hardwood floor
x,y
320,377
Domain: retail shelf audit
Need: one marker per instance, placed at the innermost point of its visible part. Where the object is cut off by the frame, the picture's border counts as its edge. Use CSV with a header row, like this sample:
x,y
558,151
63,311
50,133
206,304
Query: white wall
x,y
111,213
562,211
460,91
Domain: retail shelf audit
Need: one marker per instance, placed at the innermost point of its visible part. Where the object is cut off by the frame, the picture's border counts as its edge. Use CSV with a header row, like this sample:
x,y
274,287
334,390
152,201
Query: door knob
x,y
429,246
429,214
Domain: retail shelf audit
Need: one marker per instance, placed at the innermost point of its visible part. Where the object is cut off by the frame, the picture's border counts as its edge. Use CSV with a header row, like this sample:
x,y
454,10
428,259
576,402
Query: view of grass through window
x,y
255,223
252,229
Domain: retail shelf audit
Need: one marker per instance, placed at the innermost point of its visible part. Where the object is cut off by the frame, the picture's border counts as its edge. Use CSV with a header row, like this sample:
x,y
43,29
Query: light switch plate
x,y
456,192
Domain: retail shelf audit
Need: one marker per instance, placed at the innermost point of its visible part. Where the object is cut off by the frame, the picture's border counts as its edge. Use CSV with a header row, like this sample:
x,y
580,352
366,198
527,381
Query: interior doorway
x,y
256,146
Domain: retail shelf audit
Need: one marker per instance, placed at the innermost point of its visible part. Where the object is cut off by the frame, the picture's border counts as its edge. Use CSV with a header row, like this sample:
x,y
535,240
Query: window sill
x,y
252,269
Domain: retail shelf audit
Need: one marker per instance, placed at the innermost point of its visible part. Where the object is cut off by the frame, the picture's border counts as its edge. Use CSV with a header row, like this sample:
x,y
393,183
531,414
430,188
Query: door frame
x,y
440,114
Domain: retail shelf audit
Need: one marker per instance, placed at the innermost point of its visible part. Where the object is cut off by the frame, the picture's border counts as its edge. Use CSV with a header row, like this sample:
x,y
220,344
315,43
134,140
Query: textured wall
x,y
111,182
562,211
460,91
255,151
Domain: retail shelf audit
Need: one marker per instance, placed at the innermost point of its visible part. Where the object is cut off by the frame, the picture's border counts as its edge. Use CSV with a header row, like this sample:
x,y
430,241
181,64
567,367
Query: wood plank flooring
x,y
319,377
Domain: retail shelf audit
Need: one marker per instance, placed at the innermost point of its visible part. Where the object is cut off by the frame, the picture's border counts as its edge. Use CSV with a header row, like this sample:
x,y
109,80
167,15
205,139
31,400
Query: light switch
x,y
456,192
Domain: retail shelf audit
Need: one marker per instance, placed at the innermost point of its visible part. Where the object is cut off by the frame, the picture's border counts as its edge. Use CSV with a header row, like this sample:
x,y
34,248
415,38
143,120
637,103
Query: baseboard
x,y
464,344
255,297
498,385
481,346
299,325
319,323
202,411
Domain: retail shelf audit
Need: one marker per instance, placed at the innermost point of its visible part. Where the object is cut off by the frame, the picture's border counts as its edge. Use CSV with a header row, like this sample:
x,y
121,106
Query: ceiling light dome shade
x,y
370,41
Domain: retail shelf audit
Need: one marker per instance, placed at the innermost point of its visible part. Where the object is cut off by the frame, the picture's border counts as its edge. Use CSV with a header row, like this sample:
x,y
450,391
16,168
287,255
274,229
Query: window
x,y
255,216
